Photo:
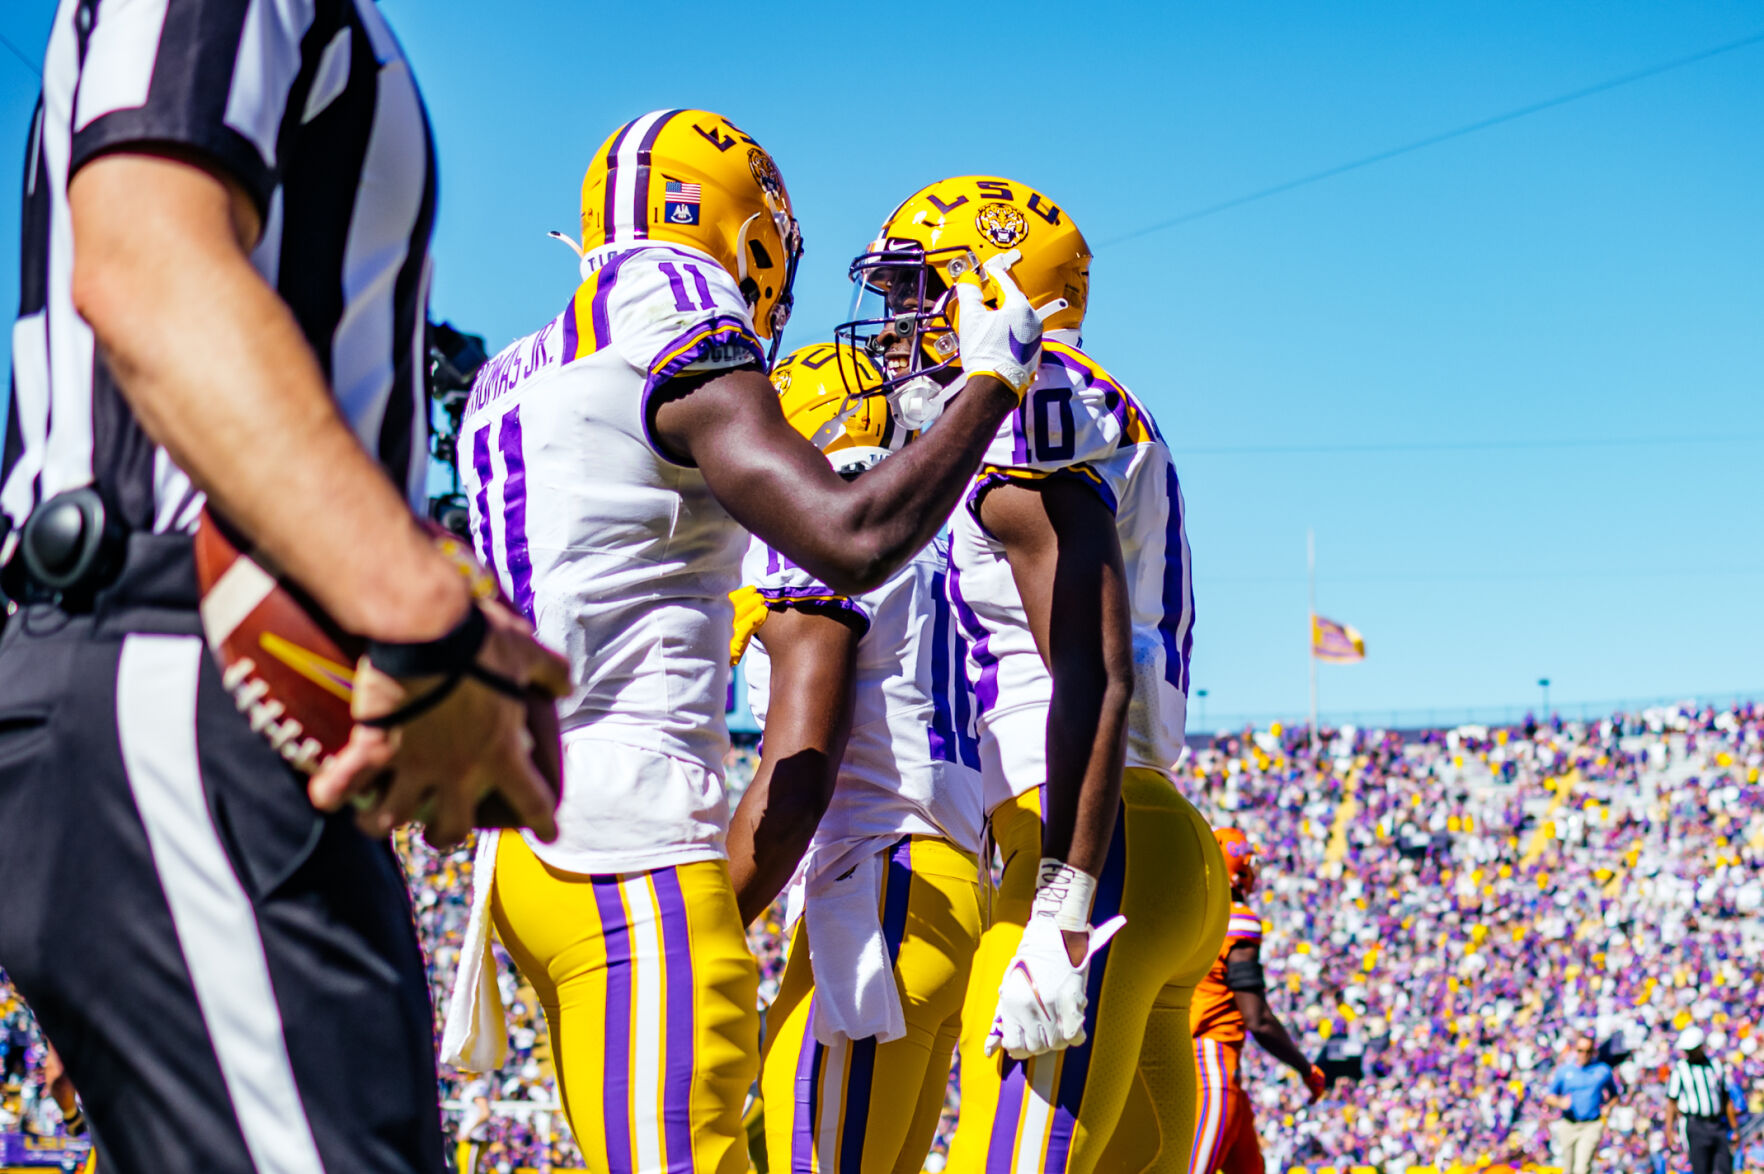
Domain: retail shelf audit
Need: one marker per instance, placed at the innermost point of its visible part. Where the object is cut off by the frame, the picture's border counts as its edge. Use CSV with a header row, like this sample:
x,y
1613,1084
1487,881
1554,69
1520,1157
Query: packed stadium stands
x,y
1444,911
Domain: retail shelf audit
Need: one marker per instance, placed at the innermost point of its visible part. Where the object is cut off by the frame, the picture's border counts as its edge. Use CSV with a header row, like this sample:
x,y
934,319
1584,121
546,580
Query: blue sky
x,y
1482,318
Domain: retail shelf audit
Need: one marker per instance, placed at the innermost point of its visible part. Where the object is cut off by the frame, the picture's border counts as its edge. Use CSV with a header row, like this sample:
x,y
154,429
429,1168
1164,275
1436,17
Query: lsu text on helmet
x,y
694,178
1240,857
902,308
813,382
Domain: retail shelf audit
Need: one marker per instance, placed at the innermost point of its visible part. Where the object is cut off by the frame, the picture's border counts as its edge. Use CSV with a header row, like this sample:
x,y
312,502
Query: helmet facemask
x,y
899,318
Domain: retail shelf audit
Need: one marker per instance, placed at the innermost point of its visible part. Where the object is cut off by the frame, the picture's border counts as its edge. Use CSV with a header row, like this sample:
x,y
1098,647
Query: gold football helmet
x,y
694,178
902,286
812,390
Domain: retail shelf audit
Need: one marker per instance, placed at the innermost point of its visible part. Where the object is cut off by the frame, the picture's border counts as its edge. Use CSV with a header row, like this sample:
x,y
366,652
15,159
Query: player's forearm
x,y
893,511
1086,750
1272,1035
774,822
808,717
216,370
1088,645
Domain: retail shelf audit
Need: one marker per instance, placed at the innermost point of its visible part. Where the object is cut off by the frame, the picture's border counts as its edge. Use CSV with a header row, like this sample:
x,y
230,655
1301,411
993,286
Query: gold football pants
x,y
856,1106
651,995
1124,1100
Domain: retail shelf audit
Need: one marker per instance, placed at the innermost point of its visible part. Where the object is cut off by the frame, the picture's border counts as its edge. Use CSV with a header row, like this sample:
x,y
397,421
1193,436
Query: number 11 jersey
x,y
616,550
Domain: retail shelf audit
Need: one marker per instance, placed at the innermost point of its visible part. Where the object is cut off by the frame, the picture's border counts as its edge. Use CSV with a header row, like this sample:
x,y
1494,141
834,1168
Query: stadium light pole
x,y
1544,684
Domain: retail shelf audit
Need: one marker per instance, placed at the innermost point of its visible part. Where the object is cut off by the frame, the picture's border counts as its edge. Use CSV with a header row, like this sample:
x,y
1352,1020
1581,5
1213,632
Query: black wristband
x,y
448,656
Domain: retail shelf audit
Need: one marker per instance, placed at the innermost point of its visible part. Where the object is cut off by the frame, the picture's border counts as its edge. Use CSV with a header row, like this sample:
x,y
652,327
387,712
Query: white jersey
x,y
618,554
1076,421
911,764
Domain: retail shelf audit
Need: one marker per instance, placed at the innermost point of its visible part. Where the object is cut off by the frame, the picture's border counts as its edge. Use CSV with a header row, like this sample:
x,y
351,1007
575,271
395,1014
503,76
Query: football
x,y
291,670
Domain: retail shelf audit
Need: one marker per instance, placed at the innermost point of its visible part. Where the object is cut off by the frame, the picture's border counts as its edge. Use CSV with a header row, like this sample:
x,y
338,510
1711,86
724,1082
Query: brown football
x,y
291,670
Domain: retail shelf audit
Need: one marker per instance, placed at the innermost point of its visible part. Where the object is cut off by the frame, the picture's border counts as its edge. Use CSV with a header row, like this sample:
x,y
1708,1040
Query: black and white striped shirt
x,y
311,107
1698,1089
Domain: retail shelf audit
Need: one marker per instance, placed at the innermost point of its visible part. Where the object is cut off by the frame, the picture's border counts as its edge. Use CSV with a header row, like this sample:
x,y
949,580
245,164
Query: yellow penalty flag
x,y
1336,643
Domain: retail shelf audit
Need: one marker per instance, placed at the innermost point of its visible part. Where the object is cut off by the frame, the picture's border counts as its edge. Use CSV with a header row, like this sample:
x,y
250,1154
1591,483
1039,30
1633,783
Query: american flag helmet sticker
x,y
681,201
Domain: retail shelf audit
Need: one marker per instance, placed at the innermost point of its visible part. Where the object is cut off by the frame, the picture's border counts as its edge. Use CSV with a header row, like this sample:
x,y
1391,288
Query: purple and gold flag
x,y
1336,643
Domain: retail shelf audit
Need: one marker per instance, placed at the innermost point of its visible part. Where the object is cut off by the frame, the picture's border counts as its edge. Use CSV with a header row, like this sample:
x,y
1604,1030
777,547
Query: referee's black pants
x,y
1706,1139
232,978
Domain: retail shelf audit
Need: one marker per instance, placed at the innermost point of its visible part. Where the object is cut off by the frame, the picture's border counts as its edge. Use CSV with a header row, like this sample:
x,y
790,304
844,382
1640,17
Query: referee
x,y
226,218
1697,1094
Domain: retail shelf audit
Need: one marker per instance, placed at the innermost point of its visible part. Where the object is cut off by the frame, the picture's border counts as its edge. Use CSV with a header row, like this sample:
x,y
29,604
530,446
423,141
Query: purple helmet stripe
x,y
640,194
609,197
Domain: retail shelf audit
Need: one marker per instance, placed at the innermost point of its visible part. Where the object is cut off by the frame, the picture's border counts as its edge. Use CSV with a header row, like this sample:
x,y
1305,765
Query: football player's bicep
x,y
755,464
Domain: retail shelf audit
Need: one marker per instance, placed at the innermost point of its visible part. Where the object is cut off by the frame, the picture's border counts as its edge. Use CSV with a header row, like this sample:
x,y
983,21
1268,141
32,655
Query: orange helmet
x,y
1240,857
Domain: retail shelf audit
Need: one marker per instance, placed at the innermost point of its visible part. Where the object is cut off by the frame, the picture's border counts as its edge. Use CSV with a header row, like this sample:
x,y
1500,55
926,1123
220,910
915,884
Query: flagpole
x,y
1311,625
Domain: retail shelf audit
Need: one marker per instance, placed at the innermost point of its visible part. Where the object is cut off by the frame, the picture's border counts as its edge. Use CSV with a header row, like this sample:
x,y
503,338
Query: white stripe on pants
x,y
217,927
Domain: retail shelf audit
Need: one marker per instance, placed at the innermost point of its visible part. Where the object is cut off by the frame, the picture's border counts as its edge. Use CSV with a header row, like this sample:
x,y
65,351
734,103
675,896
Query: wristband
x,y
453,657
1064,894
447,655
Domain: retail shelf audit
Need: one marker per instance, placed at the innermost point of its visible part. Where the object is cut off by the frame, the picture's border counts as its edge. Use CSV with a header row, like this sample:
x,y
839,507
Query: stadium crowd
x,y
1467,903
1444,912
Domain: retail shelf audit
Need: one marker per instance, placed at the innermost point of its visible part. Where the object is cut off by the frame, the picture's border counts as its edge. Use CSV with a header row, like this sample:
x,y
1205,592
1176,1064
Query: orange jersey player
x,y
1229,1002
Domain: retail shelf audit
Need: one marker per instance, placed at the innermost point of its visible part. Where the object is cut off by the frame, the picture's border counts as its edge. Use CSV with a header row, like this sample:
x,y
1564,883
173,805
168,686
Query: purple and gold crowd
x,y
1444,913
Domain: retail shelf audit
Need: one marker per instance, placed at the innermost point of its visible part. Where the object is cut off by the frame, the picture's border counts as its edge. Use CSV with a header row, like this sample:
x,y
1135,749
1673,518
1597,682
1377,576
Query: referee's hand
x,y
439,766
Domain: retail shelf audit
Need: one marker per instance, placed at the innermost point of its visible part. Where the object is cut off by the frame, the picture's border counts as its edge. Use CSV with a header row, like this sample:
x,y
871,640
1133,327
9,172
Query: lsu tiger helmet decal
x,y
694,178
902,313
1240,858
812,389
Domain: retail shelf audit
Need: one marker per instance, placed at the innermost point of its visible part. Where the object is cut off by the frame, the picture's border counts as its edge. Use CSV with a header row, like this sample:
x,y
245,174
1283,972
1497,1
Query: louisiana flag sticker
x,y
681,202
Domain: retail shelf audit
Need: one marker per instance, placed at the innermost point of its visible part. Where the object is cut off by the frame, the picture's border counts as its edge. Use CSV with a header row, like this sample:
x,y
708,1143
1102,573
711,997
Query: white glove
x,y
1005,342
1042,1000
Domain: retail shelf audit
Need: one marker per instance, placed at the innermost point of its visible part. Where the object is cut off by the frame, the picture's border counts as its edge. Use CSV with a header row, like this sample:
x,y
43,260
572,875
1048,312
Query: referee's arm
x,y
216,369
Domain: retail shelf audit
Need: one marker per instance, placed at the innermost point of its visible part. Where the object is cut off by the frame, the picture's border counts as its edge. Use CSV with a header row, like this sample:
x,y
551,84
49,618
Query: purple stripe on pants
x,y
808,1095
615,1102
1001,1149
514,510
1075,1071
897,887
677,1092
